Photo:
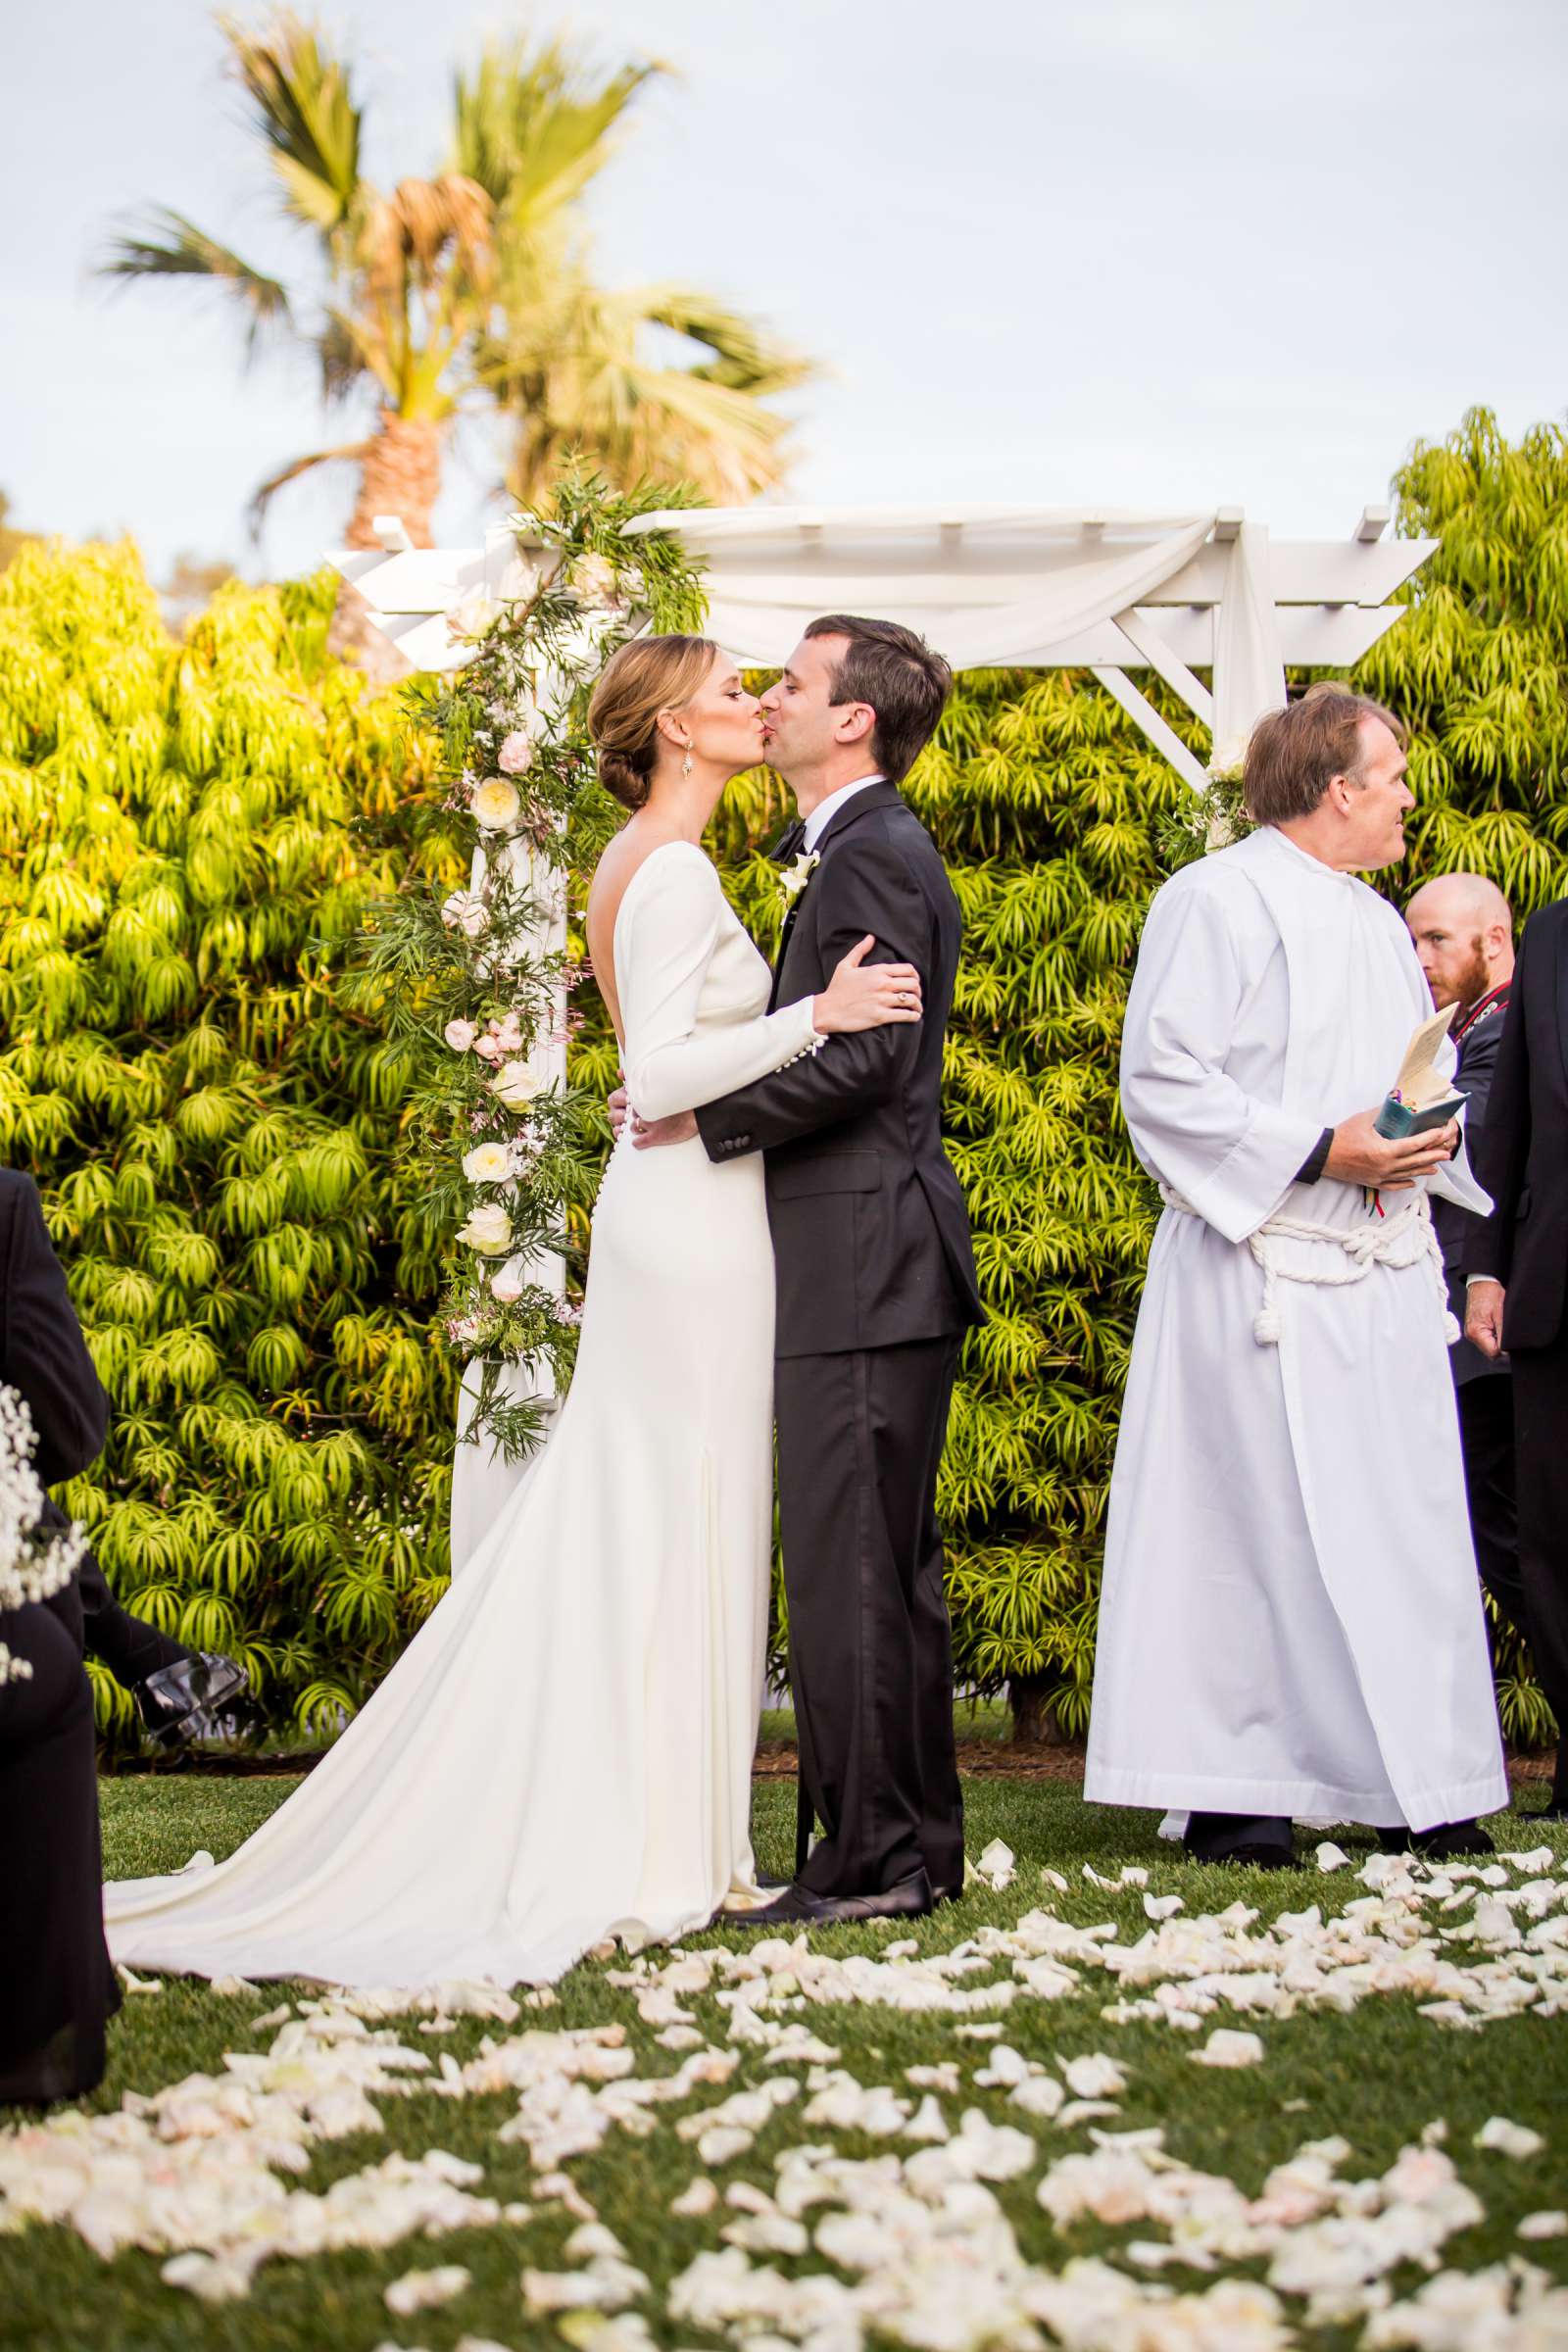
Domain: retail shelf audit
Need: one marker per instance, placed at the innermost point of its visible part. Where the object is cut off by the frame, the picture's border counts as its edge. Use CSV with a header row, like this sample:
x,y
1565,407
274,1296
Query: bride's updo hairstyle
x,y
649,676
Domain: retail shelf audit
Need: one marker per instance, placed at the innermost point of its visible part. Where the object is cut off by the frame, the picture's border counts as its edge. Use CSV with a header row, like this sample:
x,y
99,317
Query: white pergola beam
x,y
1143,636
1142,711
774,567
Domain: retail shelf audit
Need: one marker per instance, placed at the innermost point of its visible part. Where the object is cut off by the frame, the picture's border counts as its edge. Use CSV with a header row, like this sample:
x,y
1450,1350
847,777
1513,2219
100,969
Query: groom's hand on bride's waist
x,y
647,1134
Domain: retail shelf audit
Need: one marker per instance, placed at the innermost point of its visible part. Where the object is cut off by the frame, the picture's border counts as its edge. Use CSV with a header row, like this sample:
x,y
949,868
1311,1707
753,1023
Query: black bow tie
x,y
789,843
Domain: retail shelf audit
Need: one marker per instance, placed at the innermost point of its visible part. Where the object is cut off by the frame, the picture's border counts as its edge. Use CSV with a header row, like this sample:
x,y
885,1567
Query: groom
x,y
876,1284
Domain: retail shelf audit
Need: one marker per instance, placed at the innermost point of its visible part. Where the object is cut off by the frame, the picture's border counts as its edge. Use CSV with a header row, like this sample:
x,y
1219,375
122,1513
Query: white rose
x,y
594,578
471,615
466,911
516,1085
488,1230
495,805
487,1163
515,755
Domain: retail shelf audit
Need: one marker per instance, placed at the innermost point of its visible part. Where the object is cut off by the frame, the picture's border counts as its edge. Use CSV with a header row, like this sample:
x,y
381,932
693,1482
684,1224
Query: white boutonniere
x,y
791,879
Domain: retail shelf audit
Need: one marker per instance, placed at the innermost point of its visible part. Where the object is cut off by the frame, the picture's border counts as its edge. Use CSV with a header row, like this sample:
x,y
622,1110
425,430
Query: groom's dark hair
x,y
895,672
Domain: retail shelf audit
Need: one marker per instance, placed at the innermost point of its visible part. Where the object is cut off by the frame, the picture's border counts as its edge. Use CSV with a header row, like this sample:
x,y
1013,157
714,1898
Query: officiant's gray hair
x,y
1295,754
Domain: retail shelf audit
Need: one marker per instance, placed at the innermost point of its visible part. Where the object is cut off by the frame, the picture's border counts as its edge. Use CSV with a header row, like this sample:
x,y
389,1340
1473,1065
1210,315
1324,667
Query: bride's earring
x,y
686,763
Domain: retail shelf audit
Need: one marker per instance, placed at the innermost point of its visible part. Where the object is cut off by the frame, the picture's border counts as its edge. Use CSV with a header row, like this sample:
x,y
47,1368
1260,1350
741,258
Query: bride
x,y
564,1751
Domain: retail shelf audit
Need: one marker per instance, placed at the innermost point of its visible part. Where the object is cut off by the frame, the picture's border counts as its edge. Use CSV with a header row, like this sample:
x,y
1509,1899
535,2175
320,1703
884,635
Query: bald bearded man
x,y
1462,927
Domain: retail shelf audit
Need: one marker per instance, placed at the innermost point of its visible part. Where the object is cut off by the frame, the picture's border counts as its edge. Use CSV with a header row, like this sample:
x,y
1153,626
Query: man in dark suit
x,y
1463,933
181,1692
876,1284
1516,1266
57,1987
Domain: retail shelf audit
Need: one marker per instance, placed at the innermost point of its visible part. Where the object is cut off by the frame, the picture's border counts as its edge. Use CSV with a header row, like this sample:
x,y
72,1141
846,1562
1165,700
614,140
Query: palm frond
x,y
533,126
175,247
304,110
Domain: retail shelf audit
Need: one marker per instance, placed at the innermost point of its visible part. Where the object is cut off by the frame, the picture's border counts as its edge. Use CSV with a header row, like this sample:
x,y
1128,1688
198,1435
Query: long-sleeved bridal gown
x,y
565,1749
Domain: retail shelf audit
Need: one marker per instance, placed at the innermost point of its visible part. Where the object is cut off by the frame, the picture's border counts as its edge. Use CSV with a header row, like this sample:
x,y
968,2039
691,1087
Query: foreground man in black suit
x,y
1517,1267
876,1284
57,1989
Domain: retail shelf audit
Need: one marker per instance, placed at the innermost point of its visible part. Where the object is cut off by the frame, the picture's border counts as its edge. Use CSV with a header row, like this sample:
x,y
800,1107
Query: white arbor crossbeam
x,y
991,586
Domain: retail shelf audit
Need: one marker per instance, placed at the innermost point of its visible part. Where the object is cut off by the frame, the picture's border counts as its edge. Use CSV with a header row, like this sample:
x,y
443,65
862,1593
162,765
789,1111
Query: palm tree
x,y
475,281
404,273
568,362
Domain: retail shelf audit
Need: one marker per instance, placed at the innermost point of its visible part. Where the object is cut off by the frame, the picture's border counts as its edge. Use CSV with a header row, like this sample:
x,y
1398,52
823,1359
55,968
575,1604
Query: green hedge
x,y
183,828
180,829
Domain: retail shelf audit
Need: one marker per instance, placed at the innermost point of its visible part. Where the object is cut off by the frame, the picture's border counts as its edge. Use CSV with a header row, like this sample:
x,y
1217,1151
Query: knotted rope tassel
x,y
1405,1239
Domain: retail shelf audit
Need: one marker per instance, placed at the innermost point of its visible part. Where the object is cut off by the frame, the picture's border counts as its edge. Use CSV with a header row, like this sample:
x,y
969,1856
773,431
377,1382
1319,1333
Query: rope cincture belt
x,y
1404,1239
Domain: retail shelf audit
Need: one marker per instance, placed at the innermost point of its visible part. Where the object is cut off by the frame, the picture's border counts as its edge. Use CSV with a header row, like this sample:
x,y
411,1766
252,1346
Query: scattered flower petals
x,y
1227,2048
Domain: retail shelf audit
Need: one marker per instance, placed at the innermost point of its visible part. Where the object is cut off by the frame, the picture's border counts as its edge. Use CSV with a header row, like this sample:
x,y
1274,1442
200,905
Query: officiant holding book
x,y
1290,1624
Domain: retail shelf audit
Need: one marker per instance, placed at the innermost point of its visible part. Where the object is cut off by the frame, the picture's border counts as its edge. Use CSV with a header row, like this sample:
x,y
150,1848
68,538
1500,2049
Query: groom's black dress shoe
x,y
799,1907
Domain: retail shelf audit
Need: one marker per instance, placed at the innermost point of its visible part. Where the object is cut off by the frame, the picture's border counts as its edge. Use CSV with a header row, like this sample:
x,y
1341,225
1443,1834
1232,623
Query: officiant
x,y
1290,1624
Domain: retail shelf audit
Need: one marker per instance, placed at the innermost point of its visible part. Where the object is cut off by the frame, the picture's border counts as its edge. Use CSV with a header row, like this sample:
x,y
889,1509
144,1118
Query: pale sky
x,y
1136,253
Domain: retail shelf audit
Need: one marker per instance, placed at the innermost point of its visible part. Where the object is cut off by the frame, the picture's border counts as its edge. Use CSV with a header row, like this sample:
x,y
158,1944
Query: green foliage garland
x,y
466,982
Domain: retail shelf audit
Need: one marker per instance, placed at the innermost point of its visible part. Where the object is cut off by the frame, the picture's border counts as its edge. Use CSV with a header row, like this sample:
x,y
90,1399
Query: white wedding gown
x,y
564,1751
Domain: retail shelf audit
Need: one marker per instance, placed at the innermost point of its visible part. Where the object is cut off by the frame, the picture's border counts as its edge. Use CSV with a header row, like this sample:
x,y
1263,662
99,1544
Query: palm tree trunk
x,y
401,475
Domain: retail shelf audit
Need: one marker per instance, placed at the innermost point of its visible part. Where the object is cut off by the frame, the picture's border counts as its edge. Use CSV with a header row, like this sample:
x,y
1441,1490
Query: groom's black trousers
x,y
859,1440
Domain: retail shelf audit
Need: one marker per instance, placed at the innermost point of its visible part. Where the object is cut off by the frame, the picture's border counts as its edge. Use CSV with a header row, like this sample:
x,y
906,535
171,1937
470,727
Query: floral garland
x,y
1207,820
470,976
34,1565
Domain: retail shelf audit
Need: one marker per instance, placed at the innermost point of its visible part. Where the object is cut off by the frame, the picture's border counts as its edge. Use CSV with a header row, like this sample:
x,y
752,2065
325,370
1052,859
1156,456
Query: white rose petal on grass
x,y
1225,2047
1331,1857
424,2290
996,1865
487,1163
1508,2139
1544,2225
495,805
1095,2078
696,2199
1041,2095
1163,1906
488,1230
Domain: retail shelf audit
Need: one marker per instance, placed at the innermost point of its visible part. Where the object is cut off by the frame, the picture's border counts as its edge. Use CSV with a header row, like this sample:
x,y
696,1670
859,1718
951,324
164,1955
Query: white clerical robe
x,y
1290,1620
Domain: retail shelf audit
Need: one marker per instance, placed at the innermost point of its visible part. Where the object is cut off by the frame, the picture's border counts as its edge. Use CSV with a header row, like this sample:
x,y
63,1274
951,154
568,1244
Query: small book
x,y
1421,1097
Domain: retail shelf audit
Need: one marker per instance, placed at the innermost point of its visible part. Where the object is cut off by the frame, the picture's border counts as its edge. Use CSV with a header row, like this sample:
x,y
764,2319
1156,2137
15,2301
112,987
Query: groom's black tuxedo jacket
x,y
870,1234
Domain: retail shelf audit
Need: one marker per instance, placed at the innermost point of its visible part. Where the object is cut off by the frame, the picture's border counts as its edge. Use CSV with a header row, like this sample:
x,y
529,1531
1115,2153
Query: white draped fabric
x,y
1290,1620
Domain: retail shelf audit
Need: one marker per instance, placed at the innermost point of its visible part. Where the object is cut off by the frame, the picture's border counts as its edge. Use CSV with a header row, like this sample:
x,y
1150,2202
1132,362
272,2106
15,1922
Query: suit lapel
x,y
880,795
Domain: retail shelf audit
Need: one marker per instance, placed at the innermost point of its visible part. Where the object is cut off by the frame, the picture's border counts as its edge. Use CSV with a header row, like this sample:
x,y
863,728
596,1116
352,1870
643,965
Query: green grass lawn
x,y
1377,2076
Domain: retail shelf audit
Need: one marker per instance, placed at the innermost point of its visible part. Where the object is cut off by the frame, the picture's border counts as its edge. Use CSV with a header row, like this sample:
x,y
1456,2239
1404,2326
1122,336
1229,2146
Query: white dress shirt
x,y
830,808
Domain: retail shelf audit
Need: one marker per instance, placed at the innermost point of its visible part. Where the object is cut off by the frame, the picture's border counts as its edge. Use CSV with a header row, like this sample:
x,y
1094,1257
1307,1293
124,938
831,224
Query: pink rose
x,y
460,1035
489,1047
516,755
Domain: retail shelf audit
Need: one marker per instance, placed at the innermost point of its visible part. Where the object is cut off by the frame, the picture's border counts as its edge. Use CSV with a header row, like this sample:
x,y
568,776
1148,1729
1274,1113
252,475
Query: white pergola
x,y
989,587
